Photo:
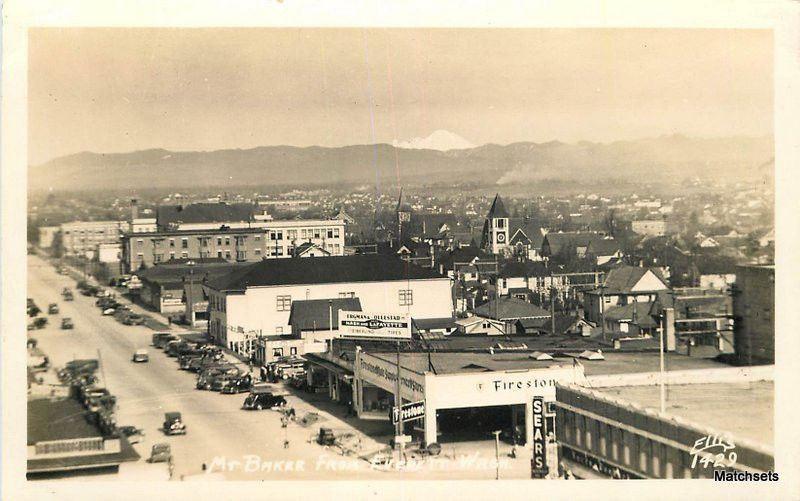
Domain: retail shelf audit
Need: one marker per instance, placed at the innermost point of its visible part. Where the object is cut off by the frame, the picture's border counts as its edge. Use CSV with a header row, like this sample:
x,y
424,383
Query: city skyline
x,y
210,89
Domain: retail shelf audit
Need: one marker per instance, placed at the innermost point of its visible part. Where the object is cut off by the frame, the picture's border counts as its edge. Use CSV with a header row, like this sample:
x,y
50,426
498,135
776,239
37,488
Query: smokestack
x,y
134,209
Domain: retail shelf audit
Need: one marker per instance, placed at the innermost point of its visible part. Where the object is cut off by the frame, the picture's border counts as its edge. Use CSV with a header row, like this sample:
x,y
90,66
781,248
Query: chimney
x,y
134,209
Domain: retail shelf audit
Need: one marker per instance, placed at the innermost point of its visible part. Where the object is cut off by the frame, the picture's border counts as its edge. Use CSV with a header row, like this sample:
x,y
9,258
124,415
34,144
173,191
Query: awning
x,y
337,369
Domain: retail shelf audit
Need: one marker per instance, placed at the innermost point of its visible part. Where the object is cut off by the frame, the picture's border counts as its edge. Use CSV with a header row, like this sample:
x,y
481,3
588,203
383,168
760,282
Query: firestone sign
x,y
361,324
408,412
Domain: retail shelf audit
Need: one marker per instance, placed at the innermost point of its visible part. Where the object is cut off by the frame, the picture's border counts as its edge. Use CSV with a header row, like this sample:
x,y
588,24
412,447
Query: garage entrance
x,y
478,423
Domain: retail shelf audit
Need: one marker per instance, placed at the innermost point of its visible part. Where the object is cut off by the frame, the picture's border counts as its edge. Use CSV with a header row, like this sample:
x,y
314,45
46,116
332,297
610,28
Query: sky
x,y
125,89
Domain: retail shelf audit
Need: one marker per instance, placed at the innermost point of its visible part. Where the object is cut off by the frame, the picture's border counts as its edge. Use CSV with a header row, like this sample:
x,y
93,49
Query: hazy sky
x,y
110,90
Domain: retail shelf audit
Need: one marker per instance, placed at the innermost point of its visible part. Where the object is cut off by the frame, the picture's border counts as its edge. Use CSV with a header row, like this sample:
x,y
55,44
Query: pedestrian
x,y
286,443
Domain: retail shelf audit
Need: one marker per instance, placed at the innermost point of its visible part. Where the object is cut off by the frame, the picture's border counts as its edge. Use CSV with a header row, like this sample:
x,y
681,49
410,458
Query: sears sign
x,y
361,324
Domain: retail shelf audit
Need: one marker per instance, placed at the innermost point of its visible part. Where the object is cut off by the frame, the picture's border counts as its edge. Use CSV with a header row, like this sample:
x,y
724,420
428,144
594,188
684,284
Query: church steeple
x,y
496,227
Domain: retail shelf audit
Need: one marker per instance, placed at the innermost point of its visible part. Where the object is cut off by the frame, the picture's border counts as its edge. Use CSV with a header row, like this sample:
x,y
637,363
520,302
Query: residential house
x,y
623,285
509,310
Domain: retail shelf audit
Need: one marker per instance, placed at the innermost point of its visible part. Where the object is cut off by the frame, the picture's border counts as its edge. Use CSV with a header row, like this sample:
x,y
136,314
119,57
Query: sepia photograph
x,y
398,253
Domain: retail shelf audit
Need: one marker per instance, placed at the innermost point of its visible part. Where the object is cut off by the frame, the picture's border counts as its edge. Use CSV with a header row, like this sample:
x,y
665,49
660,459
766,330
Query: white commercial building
x,y
256,301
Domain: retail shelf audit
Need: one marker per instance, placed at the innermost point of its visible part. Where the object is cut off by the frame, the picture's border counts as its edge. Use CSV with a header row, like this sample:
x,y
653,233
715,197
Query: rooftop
x,y
57,420
315,314
510,308
717,406
322,270
204,213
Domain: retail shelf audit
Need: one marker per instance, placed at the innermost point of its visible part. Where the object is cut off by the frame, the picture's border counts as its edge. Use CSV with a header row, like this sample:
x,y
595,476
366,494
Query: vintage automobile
x,y
140,355
160,453
264,400
173,424
241,384
52,309
108,311
158,337
133,319
66,323
132,433
67,295
38,323
218,383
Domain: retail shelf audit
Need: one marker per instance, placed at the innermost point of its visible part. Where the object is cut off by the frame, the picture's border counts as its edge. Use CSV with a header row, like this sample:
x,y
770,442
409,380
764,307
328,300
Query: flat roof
x,y
746,409
473,361
58,420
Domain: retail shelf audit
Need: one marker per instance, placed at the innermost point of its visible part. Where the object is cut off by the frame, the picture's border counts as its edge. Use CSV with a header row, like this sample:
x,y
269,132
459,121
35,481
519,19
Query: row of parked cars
x,y
214,373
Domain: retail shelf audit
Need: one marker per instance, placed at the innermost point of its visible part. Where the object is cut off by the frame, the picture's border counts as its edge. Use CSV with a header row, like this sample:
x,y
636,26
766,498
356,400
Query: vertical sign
x,y
539,461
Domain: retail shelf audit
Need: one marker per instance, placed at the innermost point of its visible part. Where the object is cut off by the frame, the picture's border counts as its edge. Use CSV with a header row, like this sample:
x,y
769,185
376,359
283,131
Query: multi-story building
x,y
754,314
256,301
80,237
278,239
143,250
496,228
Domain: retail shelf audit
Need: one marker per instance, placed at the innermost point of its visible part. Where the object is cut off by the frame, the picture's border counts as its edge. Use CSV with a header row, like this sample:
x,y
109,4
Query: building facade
x,y
80,237
754,314
258,301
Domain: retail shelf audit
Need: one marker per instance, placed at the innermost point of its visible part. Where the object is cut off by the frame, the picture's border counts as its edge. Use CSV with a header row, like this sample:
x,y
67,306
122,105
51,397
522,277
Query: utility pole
x,y
398,402
496,434
552,311
603,311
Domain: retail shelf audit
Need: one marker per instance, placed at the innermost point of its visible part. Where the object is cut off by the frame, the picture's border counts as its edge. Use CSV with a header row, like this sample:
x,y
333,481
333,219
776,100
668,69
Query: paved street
x,y
219,432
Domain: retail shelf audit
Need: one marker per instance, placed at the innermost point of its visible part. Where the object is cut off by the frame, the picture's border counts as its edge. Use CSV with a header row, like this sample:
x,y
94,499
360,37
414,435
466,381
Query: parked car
x,y
160,453
52,309
173,424
67,295
241,384
109,311
133,319
160,335
66,323
141,355
38,323
132,433
260,401
218,383
162,342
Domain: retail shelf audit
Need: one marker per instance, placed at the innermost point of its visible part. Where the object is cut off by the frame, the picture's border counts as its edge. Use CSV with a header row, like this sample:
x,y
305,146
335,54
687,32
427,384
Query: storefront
x,y
465,395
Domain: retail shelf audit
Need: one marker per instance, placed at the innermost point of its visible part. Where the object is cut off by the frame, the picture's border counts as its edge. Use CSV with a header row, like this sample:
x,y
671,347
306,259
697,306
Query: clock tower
x,y
496,228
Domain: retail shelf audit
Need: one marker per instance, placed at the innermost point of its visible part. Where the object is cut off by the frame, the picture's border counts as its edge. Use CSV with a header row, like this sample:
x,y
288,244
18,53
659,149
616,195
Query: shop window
x,y
406,297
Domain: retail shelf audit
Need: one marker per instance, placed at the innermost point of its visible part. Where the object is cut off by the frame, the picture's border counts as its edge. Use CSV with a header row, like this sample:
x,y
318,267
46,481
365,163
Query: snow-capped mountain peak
x,y
441,140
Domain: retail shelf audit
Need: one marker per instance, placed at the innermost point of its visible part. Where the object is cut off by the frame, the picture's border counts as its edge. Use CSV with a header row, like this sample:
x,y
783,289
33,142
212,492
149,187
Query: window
x,y
219,253
241,255
317,233
172,242
336,233
227,240
406,297
204,242
279,251
284,303
291,234
330,232
139,242
184,243
257,238
184,255
304,233
204,254
501,223
219,240
277,352
172,255
227,254
140,256
257,252
344,295
157,258
293,350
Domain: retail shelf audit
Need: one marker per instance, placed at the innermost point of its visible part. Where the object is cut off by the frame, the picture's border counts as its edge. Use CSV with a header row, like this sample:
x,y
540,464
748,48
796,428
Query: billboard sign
x,y
362,324
539,462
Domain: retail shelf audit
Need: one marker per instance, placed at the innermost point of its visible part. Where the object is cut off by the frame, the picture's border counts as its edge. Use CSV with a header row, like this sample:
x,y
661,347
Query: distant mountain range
x,y
663,158
441,140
